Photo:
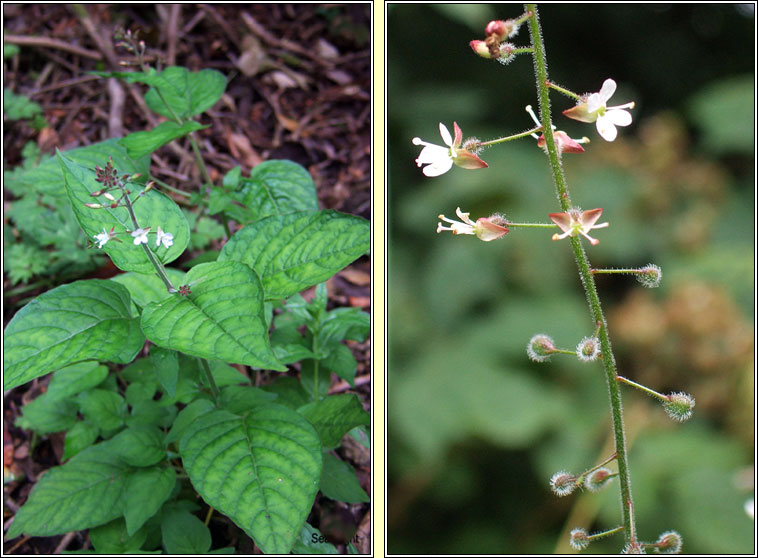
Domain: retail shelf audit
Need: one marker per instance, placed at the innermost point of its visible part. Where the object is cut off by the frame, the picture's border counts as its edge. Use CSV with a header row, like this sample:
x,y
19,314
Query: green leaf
x,y
296,251
277,187
79,437
342,362
146,288
334,416
45,414
146,491
113,538
186,417
186,93
153,210
166,368
85,492
48,176
140,445
311,541
262,470
237,399
221,319
18,107
344,323
142,143
184,533
76,378
105,408
338,482
71,323
290,392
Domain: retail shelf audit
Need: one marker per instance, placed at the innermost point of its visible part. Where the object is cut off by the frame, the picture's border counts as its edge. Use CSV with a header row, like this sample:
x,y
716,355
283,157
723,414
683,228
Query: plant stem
x,y
588,281
509,138
209,376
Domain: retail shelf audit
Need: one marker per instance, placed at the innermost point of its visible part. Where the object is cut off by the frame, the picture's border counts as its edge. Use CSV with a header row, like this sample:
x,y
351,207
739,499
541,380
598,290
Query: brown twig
x,y
46,42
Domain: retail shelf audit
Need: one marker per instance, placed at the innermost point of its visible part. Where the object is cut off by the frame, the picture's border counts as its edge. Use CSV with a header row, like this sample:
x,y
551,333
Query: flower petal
x,y
607,90
619,117
446,137
438,167
606,128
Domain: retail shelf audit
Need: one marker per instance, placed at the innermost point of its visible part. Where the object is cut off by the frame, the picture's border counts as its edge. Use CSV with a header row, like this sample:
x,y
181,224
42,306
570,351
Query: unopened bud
x,y
598,479
579,539
93,205
679,406
649,276
540,347
149,186
502,29
108,196
588,349
669,542
96,193
562,483
480,48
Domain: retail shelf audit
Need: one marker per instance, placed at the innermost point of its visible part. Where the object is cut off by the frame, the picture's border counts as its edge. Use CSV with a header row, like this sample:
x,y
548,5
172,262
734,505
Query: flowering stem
x,y
560,89
615,270
159,269
597,536
509,138
642,388
532,225
588,281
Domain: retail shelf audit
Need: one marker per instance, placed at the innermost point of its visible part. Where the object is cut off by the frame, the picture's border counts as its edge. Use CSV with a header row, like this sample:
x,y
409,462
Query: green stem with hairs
x,y
588,281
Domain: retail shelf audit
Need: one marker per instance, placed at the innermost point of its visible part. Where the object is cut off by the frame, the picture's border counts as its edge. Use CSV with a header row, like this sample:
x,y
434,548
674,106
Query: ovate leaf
x,y
295,251
71,323
334,416
277,187
186,93
146,491
152,210
141,143
261,470
85,492
221,319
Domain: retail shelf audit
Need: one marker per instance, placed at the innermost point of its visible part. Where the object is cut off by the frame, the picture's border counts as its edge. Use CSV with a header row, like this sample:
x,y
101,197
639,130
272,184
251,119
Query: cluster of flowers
x,y
436,160
110,179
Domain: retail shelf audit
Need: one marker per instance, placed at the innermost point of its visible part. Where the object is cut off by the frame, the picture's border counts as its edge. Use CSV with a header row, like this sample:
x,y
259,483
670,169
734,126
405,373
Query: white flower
x,y
593,108
140,236
163,237
439,160
102,238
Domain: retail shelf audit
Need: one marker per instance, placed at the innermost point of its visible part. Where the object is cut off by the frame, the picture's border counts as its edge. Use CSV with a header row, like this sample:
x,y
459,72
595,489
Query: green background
x,y
476,429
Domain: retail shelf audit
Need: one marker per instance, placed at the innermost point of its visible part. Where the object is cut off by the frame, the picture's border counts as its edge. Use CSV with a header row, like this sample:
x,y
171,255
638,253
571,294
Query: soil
x,y
299,83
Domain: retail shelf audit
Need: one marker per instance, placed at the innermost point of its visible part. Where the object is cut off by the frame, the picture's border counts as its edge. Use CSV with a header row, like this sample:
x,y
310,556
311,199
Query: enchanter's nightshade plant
x,y
574,224
158,423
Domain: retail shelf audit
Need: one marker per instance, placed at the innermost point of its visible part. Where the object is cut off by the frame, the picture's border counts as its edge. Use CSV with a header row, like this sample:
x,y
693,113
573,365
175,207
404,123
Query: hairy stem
x,y
588,281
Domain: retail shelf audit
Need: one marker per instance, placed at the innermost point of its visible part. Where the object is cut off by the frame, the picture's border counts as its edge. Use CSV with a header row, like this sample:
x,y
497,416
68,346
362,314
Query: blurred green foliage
x,y
475,428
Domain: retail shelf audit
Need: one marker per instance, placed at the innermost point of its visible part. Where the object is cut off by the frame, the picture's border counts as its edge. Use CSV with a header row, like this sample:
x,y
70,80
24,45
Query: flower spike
x,y
593,108
439,160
